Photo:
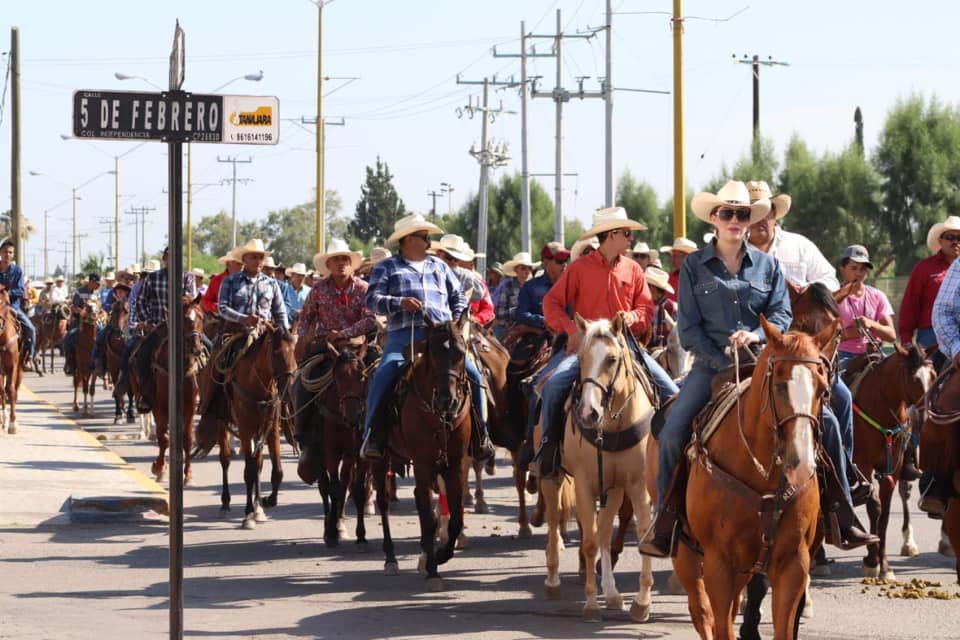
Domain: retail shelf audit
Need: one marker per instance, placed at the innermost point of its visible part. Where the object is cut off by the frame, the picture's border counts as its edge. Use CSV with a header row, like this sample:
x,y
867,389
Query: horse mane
x,y
795,342
823,297
915,358
598,329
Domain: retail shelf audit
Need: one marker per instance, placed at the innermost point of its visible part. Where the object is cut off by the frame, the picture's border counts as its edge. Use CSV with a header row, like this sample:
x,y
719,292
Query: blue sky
x,y
407,54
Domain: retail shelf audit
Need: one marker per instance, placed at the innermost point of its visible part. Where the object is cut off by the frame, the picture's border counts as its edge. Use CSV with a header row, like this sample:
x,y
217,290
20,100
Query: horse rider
x,y
681,248
582,248
407,288
232,263
118,294
659,282
11,277
916,307
803,264
80,297
644,255
335,309
495,277
866,311
366,267
152,312
518,271
249,296
45,301
287,296
726,269
199,275
598,286
458,255
106,291
297,274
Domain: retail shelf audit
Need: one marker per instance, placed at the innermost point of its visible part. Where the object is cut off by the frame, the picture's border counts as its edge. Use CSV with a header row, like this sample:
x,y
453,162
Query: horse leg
x,y
612,598
909,547
624,518
258,512
687,567
550,494
951,527
428,525
276,470
722,592
331,533
519,483
163,441
480,505
251,478
638,502
380,470
76,390
13,383
467,496
224,468
359,502
788,580
756,592
455,525
871,562
586,516
945,546
886,494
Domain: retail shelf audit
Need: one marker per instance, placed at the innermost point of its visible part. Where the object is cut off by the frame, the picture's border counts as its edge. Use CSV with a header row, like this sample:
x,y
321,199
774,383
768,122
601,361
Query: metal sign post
x,y
175,117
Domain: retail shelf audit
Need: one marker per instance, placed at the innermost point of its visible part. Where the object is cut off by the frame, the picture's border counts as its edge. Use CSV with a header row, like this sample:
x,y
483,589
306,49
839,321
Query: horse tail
x,y
207,434
568,500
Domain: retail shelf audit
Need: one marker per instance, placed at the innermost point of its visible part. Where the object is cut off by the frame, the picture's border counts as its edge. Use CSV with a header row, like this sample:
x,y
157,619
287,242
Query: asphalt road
x,y
280,581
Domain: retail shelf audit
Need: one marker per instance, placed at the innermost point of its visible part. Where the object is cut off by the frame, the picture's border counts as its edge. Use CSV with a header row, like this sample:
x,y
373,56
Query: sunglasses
x,y
742,215
559,261
950,237
626,233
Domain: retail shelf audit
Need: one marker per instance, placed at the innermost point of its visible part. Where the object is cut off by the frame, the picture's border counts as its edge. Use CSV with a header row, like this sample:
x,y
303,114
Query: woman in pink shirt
x,y
866,311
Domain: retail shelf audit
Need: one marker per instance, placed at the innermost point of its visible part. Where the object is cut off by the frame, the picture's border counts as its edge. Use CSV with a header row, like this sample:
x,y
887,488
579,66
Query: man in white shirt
x,y
59,294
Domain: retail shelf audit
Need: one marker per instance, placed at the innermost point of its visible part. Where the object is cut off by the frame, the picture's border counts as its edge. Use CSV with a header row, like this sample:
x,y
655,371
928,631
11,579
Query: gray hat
x,y
496,266
857,253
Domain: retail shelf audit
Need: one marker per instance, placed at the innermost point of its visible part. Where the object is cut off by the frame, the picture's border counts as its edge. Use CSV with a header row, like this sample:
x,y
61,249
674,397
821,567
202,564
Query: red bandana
x,y
342,298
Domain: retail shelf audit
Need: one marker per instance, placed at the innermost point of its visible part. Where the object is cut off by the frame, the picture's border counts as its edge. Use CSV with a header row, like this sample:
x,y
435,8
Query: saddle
x,y
233,346
858,368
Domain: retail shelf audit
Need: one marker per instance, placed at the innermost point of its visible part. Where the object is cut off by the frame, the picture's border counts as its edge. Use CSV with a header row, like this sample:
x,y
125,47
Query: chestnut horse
x,y
51,331
881,431
192,351
114,345
11,365
752,499
84,375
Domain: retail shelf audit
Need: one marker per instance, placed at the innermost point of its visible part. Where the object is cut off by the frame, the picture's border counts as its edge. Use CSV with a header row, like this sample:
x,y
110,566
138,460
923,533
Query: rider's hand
x,y
410,304
573,342
333,336
630,318
251,321
742,338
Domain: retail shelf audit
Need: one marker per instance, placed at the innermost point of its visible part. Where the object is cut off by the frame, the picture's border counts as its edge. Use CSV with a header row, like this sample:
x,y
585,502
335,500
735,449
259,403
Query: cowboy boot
x,y
548,456
68,365
375,437
909,470
485,451
846,532
860,487
661,538
931,501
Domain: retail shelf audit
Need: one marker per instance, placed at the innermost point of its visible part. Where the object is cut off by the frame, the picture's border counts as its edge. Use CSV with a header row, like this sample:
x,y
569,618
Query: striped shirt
x,y
437,288
242,296
946,313
151,302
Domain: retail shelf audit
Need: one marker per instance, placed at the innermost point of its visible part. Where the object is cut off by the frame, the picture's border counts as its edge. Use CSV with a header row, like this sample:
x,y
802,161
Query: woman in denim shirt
x,y
724,288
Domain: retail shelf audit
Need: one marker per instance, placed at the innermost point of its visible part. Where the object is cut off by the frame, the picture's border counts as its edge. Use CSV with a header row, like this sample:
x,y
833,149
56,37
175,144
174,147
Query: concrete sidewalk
x,y
62,474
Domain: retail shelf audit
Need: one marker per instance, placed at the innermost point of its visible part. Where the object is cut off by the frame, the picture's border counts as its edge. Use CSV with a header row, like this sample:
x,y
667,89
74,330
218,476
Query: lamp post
x,y
447,188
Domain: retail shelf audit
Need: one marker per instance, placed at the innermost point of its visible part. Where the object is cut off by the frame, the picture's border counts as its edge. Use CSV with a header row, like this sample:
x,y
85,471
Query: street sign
x,y
177,53
176,116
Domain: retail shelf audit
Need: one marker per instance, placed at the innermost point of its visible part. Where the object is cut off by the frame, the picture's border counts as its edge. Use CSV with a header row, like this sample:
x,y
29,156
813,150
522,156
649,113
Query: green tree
x,y
93,263
289,233
917,159
213,234
640,201
378,208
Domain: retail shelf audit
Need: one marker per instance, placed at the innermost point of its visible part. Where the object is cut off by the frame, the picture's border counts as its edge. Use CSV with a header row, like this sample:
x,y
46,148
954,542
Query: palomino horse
x,y
881,430
51,331
192,352
749,516
604,451
11,366
84,375
114,346
434,433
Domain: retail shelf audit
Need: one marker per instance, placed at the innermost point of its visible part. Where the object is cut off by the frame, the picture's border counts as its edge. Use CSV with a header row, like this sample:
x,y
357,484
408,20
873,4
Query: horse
x,y
11,365
84,375
434,432
814,307
672,357
745,516
884,390
192,362
604,451
51,331
114,345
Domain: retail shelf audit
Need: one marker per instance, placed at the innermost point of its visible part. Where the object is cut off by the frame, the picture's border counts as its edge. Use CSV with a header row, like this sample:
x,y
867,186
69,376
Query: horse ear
x,y
828,339
773,334
929,351
618,323
581,323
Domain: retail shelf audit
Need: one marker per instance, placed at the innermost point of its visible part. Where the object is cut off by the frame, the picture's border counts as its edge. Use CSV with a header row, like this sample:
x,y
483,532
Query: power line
x,y
233,181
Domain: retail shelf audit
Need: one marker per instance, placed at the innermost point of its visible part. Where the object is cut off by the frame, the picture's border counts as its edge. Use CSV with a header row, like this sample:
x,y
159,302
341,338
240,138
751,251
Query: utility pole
x,y
327,122
16,212
607,90
433,208
524,169
755,63
679,180
447,188
234,160
140,214
46,255
66,245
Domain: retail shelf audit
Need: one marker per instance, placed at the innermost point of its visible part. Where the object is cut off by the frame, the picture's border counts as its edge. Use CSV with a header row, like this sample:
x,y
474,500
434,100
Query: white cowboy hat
x,y
643,248
298,269
410,224
658,278
378,253
522,258
759,190
134,268
48,280
580,245
110,275
680,244
609,219
254,245
434,247
336,247
733,193
59,279
197,271
234,255
268,262
151,266
456,247
952,223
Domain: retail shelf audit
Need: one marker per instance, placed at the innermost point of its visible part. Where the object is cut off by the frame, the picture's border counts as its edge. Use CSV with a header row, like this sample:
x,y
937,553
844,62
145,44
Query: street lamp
x,y
124,76
447,188
252,77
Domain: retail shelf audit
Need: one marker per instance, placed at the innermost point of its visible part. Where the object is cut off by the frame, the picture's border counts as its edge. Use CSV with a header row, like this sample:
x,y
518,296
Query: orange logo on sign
x,y
262,117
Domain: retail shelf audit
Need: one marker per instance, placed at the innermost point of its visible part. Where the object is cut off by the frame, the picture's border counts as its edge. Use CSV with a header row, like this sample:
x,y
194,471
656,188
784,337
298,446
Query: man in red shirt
x,y
233,264
678,252
943,240
597,286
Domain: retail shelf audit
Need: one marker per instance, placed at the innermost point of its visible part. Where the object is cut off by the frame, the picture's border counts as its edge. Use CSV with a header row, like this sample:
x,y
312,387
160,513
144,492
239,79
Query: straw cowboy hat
x,y
580,245
658,278
197,271
48,280
336,247
410,224
122,285
522,258
609,219
679,244
151,266
735,194
642,248
759,190
110,275
952,223
434,247
234,255
135,268
254,245
298,269
456,247
268,262
377,254
59,279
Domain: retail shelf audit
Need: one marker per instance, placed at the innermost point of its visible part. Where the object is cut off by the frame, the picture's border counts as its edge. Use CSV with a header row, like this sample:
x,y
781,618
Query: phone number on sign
x,y
253,137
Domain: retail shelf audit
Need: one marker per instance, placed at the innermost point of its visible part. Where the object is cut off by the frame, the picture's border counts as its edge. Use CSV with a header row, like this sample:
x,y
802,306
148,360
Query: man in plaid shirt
x,y
405,288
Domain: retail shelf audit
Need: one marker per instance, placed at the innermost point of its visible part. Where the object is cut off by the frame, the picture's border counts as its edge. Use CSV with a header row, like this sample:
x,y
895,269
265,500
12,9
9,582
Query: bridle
x,y
607,391
448,418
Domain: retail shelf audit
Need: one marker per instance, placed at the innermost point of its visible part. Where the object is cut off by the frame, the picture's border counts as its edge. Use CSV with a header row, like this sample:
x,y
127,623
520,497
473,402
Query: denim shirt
x,y
530,302
715,303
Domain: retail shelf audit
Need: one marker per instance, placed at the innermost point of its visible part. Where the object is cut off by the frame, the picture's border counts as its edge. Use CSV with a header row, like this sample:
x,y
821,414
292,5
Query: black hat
x,y
94,277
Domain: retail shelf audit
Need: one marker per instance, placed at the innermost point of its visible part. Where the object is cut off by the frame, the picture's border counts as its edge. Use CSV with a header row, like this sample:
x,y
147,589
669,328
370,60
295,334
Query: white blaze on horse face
x,y
800,457
591,399
926,375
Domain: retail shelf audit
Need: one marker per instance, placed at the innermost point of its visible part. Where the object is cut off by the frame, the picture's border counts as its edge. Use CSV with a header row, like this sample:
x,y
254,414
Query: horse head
x,y
917,373
4,299
349,379
282,358
446,358
91,311
794,372
604,359
814,308
192,328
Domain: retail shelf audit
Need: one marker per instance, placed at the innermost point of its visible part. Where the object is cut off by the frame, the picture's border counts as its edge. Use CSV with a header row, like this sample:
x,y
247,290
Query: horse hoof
x,y
525,532
260,516
551,592
870,572
674,586
945,549
224,511
361,546
443,555
269,502
331,542
391,569
370,509
422,565
888,575
435,584
468,500
807,610
592,615
249,523
481,507
614,603
639,612
12,427
909,550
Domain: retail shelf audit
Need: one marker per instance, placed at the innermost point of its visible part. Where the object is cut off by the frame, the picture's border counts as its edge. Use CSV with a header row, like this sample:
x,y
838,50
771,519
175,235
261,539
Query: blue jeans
x,y
841,404
101,342
26,325
391,366
926,338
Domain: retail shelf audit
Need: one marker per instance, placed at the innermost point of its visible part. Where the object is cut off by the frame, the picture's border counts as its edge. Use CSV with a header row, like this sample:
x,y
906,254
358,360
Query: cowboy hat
x,y
759,190
496,267
410,224
336,247
268,262
110,275
658,278
642,248
456,247
122,285
377,254
733,193
197,271
679,244
434,247
522,258
609,219
151,266
135,268
298,269
952,223
254,246
234,255
59,278
48,280
580,245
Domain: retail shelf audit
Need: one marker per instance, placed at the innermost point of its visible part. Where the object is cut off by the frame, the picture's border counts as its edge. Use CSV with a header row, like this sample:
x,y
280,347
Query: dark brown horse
x,y
114,344
51,330
192,351
881,430
84,376
11,365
